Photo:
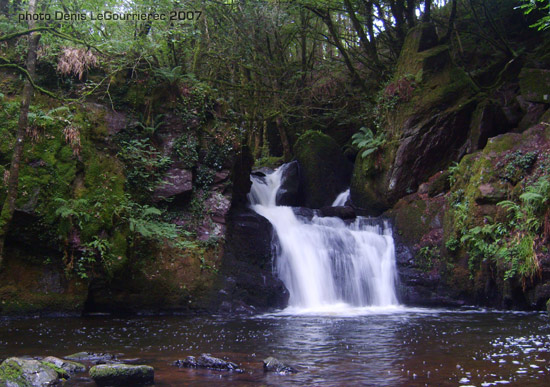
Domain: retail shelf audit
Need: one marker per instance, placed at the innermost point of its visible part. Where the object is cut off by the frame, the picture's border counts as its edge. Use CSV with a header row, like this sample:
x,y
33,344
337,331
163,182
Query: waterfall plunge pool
x,y
400,347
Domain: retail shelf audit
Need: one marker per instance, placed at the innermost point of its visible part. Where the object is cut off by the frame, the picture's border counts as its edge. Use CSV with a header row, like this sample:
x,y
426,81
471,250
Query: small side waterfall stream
x,y
324,262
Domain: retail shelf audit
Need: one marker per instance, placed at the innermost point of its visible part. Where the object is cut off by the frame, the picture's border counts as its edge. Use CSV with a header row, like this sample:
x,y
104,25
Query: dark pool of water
x,y
411,347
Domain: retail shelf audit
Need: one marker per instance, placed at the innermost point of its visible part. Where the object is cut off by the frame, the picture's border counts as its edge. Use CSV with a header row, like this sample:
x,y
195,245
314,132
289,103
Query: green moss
x,y
269,162
409,219
122,374
60,371
502,143
535,85
10,371
325,170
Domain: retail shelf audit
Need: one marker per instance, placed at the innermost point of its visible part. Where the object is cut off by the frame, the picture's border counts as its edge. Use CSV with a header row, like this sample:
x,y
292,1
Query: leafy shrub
x,y
185,149
145,166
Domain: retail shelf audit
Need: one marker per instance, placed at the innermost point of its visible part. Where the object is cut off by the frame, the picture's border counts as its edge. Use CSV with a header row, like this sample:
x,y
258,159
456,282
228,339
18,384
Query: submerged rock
x,y
122,375
272,364
207,361
17,371
96,358
68,366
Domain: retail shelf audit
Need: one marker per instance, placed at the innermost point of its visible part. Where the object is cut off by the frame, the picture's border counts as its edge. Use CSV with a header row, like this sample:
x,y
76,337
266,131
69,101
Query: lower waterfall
x,y
326,262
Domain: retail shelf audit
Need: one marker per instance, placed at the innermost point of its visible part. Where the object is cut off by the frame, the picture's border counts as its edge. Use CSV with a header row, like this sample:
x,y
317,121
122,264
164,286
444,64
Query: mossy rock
x,y
325,170
535,85
122,375
20,372
68,366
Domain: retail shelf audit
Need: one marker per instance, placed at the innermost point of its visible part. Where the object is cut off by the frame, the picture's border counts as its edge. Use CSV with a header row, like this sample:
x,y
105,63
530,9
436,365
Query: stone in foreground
x,y
96,358
207,361
272,364
19,372
122,375
68,366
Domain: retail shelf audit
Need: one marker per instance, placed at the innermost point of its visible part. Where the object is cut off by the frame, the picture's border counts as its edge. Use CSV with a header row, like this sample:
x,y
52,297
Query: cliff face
x,y
437,115
100,199
464,176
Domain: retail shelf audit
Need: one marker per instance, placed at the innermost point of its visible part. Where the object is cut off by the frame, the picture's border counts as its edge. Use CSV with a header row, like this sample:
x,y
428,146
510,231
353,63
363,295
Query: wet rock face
x,y
207,361
325,171
122,375
342,212
178,181
290,193
247,276
435,124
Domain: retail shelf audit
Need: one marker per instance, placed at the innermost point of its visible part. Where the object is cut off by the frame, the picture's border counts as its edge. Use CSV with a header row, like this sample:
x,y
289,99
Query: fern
x,y
367,142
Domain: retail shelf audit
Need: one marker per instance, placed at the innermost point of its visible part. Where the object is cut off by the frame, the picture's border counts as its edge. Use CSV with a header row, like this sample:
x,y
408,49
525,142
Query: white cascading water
x,y
341,199
325,262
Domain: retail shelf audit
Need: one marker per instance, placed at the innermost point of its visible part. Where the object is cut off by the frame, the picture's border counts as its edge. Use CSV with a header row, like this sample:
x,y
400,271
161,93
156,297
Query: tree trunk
x,y
427,11
287,154
13,181
450,29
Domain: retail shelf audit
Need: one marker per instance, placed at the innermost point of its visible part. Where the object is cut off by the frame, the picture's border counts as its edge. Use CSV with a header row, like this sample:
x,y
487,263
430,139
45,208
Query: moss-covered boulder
x,y
122,375
20,372
325,170
68,366
535,85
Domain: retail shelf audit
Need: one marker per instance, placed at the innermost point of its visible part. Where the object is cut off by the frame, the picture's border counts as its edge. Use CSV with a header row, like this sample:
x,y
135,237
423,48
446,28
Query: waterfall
x,y
341,199
325,261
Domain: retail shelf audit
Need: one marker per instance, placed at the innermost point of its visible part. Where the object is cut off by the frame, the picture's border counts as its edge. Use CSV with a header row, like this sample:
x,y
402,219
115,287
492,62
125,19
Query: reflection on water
x,y
401,347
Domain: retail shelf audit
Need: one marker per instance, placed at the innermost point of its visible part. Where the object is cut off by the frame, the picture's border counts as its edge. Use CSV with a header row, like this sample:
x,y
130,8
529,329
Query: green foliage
x,y
217,155
144,223
150,129
453,169
452,244
515,165
528,6
145,166
426,257
170,75
186,150
205,177
511,244
367,142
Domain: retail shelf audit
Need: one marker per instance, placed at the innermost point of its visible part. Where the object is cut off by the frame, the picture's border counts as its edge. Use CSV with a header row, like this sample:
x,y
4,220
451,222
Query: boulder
x,y
177,181
246,273
240,177
289,193
68,366
92,357
325,171
535,85
16,371
207,361
122,375
342,212
272,364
